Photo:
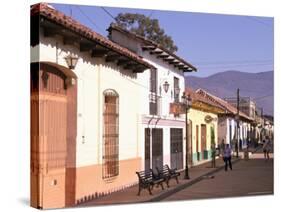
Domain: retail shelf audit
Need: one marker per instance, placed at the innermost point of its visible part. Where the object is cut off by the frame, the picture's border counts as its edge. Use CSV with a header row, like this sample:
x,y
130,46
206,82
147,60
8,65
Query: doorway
x,y
203,139
157,148
53,136
176,148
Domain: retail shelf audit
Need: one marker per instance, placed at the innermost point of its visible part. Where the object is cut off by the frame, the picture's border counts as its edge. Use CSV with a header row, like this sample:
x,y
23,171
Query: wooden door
x,y
48,139
197,142
157,148
147,149
203,138
51,128
176,148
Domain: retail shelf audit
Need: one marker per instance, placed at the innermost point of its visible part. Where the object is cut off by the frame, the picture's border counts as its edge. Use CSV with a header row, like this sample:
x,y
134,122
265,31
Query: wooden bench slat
x,y
147,179
168,173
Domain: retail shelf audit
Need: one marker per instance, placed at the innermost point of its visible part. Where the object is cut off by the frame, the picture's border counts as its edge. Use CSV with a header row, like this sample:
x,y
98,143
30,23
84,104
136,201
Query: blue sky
x,y
211,42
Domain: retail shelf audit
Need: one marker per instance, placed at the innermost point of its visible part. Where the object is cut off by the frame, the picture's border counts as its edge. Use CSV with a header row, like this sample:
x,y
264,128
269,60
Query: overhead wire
x,y
262,97
108,13
232,61
225,63
247,90
234,65
89,19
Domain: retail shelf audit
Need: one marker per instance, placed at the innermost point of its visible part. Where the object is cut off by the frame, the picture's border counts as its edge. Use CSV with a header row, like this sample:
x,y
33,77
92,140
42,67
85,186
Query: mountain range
x,y
258,86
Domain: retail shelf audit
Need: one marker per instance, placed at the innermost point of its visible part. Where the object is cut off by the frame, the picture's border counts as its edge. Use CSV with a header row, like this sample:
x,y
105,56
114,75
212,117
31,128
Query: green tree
x,y
213,147
146,27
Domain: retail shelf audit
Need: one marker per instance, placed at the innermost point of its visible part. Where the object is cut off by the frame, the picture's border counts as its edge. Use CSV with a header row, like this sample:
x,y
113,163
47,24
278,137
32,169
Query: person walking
x,y
227,157
266,148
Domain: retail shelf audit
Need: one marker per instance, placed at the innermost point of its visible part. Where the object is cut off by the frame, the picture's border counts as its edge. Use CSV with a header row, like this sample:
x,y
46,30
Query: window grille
x,y
153,93
176,89
111,134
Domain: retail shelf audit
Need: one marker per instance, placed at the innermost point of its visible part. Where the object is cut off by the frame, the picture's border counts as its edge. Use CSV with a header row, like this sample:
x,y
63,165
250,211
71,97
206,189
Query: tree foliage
x,y
146,27
213,147
213,136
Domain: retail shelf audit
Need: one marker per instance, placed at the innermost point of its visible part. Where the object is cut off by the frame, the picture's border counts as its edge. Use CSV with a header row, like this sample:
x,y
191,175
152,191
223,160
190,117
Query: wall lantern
x,y
71,61
166,86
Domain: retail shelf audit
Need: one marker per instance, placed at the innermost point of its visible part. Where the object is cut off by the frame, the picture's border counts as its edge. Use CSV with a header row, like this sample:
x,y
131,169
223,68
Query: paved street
x,y
252,177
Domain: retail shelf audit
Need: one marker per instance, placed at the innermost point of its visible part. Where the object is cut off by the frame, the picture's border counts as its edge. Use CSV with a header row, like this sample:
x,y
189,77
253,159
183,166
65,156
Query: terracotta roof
x,y
48,12
222,103
200,98
151,43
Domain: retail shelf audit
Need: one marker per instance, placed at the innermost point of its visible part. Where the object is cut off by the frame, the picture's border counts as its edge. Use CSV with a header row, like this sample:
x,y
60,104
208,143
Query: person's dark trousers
x,y
227,162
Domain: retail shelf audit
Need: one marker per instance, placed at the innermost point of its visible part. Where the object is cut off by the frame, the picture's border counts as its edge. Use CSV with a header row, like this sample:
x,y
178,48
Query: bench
x,y
167,174
147,180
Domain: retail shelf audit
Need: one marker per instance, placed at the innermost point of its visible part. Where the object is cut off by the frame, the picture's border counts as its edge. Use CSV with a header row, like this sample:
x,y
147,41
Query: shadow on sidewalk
x,y
129,195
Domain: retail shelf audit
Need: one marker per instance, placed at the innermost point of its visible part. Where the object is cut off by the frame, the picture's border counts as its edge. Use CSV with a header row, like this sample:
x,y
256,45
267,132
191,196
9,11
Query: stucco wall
x,y
197,117
165,72
163,119
226,124
222,129
94,76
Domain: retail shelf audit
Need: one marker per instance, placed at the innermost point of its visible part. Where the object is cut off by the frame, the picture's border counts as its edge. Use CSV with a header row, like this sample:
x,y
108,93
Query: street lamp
x,y
71,61
186,101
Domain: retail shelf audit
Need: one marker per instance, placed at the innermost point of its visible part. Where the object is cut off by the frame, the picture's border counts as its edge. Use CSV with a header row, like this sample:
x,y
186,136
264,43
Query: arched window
x,y
110,134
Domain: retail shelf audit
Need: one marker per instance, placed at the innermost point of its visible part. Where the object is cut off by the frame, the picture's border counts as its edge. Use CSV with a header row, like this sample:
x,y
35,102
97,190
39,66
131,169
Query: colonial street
x,y
248,177
252,177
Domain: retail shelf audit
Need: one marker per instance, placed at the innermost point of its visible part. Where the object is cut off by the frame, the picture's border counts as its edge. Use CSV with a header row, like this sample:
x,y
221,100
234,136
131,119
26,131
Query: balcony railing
x,y
177,108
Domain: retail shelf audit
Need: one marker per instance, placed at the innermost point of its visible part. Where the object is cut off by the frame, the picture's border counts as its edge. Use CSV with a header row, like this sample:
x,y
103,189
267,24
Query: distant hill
x,y
259,86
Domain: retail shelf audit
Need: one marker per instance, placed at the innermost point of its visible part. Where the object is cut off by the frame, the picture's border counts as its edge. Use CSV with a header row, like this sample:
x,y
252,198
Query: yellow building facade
x,y
201,124
202,120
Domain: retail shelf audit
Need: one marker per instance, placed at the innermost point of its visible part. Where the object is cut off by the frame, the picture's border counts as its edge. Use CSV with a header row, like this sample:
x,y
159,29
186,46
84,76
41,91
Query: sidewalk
x,y
129,195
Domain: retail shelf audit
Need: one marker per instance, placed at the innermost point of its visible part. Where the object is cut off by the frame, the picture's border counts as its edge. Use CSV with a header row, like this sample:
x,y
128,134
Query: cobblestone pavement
x,y
252,177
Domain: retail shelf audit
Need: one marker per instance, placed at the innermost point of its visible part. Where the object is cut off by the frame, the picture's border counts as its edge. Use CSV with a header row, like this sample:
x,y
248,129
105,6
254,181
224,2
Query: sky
x,y
211,42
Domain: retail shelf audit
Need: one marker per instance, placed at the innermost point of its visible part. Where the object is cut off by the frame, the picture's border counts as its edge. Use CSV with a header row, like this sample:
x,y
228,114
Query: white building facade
x,y
85,119
162,130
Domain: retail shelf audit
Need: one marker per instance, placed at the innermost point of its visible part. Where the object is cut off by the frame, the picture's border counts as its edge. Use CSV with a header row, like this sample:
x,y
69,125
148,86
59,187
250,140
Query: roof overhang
x,y
155,49
169,58
72,32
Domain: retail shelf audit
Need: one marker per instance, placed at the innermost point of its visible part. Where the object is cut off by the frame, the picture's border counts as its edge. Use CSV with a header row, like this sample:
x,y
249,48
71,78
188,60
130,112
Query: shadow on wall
x,y
122,71
24,201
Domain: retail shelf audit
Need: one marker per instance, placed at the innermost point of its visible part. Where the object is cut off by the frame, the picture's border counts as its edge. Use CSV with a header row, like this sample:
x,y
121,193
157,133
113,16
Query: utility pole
x,y
186,176
262,125
262,115
237,123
